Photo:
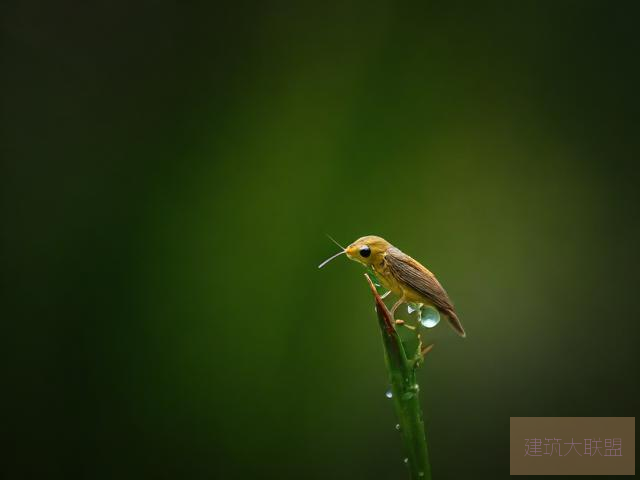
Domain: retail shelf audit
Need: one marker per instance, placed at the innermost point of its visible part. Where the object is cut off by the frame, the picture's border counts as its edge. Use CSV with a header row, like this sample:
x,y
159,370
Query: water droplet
x,y
421,474
388,393
429,317
406,460
398,426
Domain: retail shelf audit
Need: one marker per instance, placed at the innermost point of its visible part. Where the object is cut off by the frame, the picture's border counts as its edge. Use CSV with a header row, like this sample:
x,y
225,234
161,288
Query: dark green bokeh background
x,y
169,172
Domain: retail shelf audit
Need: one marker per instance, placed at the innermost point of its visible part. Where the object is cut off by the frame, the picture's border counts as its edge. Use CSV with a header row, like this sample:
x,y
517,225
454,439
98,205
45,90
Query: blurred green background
x,y
169,172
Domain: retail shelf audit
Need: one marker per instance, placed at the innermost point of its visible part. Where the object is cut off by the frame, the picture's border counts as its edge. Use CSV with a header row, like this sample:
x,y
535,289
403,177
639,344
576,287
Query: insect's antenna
x,y
331,258
332,239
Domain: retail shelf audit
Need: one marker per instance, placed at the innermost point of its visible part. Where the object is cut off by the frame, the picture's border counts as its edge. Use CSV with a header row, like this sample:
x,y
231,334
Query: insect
x,y
402,275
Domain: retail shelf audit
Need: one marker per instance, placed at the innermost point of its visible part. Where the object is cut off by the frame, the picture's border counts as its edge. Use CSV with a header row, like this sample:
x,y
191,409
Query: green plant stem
x,y
402,373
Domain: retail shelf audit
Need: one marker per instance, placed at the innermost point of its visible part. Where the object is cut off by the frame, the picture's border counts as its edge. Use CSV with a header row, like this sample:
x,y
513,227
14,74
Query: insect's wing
x,y
417,277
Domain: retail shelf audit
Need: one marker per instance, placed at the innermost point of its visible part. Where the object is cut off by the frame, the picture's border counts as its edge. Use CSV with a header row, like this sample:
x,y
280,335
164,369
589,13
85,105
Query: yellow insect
x,y
401,275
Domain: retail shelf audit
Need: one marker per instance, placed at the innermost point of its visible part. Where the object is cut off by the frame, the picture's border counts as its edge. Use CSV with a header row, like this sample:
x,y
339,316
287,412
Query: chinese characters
x,y
534,447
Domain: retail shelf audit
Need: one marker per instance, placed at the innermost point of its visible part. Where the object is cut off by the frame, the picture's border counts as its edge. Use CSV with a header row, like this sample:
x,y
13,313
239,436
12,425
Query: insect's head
x,y
367,250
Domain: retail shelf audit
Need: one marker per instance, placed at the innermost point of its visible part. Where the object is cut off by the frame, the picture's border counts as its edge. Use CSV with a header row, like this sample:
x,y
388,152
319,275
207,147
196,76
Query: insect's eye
x,y
365,251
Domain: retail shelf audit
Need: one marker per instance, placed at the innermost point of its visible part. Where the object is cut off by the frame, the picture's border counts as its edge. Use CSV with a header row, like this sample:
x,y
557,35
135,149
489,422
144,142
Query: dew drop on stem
x,y
429,317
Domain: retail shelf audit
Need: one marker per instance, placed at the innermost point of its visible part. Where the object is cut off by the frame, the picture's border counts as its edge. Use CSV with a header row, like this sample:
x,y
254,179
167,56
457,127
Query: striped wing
x,y
418,278
415,276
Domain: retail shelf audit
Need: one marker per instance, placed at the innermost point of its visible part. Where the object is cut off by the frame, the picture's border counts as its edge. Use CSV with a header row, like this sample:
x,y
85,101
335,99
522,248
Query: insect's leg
x,y
404,324
396,305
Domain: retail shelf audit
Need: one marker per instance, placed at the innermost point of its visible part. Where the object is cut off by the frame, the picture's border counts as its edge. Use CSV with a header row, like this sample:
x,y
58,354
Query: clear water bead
x,y
388,393
429,317
397,426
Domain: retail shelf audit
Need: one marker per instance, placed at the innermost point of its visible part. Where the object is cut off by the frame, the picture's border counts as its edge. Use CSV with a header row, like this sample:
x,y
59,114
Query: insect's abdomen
x,y
414,297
